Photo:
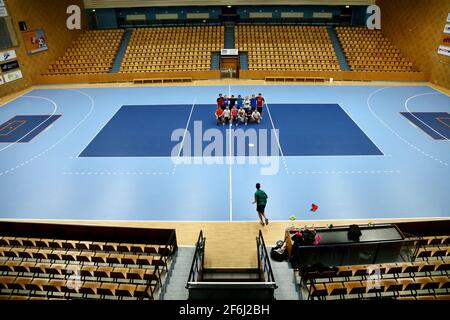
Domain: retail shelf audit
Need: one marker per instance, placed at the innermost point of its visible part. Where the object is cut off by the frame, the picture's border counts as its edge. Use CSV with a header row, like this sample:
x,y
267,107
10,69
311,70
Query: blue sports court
x,y
359,152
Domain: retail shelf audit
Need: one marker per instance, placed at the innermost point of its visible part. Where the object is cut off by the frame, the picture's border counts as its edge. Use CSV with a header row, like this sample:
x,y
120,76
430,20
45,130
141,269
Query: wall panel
x,y
416,28
49,15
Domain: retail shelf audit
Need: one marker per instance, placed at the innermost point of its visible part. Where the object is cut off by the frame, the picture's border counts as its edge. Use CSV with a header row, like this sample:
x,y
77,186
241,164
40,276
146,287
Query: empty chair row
x,y
81,245
81,256
84,287
148,273
382,285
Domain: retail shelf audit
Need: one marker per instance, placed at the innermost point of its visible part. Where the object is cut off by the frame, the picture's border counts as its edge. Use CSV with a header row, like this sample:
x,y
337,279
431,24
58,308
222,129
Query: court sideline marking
x,y
229,160
184,135
420,95
276,136
395,132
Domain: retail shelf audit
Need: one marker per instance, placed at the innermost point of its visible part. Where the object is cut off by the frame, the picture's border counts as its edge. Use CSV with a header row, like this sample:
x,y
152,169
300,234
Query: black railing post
x,y
197,266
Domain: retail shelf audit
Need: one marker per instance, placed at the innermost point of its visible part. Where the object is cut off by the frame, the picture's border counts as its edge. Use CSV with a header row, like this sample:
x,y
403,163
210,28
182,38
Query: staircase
x,y
286,282
231,275
215,61
243,60
176,283
229,37
338,49
121,52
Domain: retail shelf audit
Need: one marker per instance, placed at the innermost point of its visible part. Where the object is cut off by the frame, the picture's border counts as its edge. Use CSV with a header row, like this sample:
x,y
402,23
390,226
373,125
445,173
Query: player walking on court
x,y
261,201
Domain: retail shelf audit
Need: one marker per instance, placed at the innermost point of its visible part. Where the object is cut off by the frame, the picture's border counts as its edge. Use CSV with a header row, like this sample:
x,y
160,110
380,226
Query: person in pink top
x,y
234,115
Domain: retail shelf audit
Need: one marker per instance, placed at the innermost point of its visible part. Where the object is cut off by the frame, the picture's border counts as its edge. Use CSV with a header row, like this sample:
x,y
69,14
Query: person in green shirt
x,y
261,201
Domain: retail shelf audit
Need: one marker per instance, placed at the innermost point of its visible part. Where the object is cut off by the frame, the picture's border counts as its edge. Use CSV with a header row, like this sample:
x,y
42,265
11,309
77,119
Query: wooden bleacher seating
x,y
427,278
92,53
301,48
172,49
36,268
369,50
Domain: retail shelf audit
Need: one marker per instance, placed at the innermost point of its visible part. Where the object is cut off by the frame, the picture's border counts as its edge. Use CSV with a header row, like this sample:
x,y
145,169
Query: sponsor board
x,y
7,55
447,29
229,52
8,66
444,50
445,40
3,12
13,76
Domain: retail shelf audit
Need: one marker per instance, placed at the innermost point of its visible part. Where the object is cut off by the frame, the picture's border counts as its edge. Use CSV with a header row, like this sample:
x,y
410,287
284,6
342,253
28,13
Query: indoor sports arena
x,y
254,150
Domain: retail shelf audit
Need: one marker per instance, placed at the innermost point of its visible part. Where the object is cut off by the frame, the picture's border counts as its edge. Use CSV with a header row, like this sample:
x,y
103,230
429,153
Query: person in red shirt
x,y
260,103
220,101
218,114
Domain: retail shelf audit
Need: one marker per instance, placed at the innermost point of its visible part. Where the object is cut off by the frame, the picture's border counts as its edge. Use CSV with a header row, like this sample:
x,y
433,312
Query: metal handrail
x,y
263,259
198,260
168,250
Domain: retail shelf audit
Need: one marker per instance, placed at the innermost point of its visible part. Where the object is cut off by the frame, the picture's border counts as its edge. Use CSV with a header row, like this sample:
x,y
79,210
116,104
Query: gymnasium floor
x,y
348,149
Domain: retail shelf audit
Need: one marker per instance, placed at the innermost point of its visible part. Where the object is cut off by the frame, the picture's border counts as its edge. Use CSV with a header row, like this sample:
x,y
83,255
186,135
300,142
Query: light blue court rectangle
x,y
328,135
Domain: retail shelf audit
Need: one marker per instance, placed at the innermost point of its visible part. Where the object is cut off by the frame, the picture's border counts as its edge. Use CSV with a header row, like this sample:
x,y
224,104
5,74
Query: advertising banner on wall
x,y
445,40
1,80
444,50
448,18
35,41
3,12
7,55
447,28
12,76
8,66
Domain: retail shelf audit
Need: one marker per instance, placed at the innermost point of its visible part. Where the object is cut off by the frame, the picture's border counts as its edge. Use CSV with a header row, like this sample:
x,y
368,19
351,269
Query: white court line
x,y
60,140
116,173
395,132
343,172
278,139
187,125
184,136
55,107
230,159
419,95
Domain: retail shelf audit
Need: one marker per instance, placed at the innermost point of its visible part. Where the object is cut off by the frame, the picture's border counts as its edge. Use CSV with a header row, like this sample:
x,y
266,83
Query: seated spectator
x,y
219,114
239,102
256,117
226,116
242,118
234,115
253,102
248,114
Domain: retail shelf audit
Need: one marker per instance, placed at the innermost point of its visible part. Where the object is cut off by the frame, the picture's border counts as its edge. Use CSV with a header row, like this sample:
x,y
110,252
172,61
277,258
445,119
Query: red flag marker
x,y
314,207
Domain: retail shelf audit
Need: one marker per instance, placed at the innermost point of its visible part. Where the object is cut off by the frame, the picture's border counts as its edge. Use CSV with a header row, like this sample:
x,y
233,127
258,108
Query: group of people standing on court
x,y
239,110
